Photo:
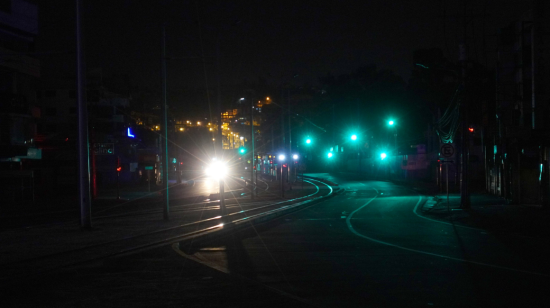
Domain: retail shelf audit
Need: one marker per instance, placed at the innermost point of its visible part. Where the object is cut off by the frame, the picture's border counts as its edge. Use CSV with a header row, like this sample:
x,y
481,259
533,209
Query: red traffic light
x,y
471,129
118,169
285,165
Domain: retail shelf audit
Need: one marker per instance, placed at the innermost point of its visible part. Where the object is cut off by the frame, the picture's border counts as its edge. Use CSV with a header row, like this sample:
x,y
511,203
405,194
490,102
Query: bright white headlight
x,y
217,169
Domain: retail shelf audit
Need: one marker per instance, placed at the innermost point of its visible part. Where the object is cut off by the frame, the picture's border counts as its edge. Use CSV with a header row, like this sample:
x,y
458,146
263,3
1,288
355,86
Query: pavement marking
x,y
350,227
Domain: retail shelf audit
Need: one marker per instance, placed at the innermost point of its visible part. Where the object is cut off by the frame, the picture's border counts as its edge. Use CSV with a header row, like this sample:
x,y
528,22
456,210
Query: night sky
x,y
271,40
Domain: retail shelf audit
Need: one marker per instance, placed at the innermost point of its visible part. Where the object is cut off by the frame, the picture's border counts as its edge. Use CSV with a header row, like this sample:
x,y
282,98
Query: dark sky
x,y
269,39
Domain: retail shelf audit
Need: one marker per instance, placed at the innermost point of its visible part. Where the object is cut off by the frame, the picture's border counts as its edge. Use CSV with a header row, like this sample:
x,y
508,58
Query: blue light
x,y
130,133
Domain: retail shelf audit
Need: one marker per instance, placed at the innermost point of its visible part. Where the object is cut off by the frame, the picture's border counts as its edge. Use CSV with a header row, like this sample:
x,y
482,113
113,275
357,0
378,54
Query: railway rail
x,y
146,231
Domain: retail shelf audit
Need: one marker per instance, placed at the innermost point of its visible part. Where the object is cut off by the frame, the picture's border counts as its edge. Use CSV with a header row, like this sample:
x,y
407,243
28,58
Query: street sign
x,y
148,167
104,148
447,150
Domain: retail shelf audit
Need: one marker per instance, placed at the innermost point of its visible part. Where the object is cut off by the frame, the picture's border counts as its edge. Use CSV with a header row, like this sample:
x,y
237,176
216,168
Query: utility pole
x,y
164,117
464,151
83,143
289,123
283,117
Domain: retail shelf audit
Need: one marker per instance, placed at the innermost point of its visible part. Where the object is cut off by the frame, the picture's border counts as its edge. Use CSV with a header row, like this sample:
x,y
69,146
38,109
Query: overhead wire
x,y
447,125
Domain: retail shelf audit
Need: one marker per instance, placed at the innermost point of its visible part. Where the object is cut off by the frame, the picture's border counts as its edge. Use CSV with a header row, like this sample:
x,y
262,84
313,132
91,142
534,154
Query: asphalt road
x,y
369,247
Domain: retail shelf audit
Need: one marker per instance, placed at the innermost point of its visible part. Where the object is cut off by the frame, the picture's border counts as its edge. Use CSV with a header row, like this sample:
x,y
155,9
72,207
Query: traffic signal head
x,y
354,137
329,155
308,141
471,129
382,156
242,150
118,169
390,122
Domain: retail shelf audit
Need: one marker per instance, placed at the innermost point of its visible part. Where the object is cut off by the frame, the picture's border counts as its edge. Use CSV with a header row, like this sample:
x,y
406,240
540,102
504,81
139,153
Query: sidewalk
x,y
488,212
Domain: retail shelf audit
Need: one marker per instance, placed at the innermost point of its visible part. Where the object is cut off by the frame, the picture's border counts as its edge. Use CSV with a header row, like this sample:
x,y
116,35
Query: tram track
x,y
66,217
160,233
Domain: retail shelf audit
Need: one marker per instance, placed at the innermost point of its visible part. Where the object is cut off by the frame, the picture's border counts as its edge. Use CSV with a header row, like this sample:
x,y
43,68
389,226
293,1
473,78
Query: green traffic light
x,y
353,137
242,150
329,155
382,156
308,141
390,122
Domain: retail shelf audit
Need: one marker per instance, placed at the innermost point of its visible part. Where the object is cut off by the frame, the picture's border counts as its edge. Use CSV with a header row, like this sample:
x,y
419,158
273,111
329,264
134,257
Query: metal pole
x,y
166,201
149,179
253,153
447,174
282,183
117,185
283,119
83,144
289,126
464,193
223,210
